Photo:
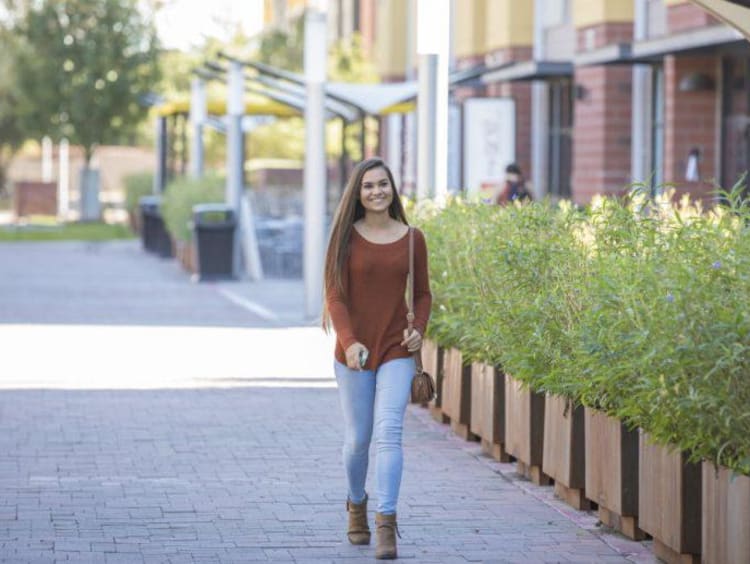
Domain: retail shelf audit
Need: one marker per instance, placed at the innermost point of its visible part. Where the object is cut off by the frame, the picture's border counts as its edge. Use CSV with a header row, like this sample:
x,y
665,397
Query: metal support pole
x,y
160,178
315,163
46,159
640,124
198,115
363,137
344,158
433,27
234,187
539,112
63,180
426,109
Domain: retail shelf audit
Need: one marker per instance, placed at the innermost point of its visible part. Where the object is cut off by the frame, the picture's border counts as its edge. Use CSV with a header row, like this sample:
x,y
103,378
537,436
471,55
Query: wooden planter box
x,y
488,409
432,360
524,429
564,458
726,516
456,400
612,472
185,253
669,502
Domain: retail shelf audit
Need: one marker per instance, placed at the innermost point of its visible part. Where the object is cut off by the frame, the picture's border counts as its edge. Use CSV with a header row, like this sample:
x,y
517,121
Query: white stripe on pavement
x,y
252,307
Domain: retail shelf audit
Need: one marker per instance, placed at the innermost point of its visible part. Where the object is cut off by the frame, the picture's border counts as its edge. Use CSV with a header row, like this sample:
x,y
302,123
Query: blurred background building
x,y
588,96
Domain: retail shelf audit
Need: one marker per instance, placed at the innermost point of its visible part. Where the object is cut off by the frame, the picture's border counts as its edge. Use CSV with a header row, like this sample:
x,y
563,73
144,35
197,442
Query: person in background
x,y
514,187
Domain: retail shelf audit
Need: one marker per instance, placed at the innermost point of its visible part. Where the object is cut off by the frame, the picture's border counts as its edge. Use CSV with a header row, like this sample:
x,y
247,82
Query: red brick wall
x,y
690,121
601,132
602,118
461,93
521,94
604,34
685,16
35,198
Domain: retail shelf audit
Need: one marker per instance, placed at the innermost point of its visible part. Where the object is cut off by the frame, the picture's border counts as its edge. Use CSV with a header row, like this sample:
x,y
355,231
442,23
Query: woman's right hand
x,y
352,355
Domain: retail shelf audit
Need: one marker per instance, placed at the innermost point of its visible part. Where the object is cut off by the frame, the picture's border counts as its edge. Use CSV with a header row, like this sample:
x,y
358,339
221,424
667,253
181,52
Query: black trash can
x,y
213,228
155,236
148,206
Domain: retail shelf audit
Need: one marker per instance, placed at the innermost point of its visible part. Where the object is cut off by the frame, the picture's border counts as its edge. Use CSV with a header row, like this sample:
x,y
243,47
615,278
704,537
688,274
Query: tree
x,y
87,64
12,134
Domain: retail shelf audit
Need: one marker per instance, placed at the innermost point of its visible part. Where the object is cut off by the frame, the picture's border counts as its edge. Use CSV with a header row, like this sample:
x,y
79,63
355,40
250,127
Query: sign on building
x,y
489,133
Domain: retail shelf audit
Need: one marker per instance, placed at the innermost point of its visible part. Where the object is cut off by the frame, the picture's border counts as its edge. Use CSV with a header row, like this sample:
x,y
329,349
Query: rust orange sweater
x,y
373,308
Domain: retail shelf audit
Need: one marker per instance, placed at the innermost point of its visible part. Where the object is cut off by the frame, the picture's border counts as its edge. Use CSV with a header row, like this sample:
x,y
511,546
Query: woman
x,y
366,270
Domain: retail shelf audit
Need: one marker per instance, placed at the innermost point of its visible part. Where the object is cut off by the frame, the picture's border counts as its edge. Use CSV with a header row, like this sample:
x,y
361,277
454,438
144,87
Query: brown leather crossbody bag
x,y
422,385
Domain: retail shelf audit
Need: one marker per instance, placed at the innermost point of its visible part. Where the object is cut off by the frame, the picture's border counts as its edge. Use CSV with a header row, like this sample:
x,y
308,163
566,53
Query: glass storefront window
x,y
560,137
735,113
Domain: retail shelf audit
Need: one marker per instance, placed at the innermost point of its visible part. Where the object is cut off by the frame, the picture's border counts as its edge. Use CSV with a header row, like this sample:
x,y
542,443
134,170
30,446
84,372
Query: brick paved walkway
x,y
204,437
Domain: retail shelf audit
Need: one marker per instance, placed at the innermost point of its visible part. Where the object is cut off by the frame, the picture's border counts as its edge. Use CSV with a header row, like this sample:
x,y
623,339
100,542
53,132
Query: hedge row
x,y
638,309
179,198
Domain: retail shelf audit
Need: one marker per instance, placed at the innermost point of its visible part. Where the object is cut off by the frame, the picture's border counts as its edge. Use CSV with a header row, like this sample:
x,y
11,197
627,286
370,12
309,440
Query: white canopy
x,y
376,99
734,13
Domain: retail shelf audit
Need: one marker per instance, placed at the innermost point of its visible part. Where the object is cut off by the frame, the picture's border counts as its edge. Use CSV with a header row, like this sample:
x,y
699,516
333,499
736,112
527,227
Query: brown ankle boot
x,y
385,536
359,530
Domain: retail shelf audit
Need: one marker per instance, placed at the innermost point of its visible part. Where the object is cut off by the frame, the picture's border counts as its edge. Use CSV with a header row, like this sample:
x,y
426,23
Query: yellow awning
x,y
254,105
731,13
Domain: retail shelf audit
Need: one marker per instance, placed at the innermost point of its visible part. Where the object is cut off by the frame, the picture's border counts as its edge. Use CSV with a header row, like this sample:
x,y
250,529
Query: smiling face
x,y
376,192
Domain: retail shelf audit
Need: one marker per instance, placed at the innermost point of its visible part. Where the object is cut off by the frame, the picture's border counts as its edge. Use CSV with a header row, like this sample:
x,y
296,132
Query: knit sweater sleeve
x,y
339,310
422,294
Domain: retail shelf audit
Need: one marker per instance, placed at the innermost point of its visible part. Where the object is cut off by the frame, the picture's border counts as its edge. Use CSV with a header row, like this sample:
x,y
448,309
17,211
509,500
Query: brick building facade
x,y
606,93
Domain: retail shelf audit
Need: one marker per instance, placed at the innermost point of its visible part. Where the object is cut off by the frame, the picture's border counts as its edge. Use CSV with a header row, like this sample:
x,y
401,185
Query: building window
x,y
556,12
657,131
735,114
560,137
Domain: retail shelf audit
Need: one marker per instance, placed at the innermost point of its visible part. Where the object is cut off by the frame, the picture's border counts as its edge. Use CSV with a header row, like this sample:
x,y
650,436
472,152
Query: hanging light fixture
x,y
696,82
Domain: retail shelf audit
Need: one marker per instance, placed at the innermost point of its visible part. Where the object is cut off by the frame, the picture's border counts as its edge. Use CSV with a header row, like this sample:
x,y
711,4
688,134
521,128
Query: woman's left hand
x,y
412,341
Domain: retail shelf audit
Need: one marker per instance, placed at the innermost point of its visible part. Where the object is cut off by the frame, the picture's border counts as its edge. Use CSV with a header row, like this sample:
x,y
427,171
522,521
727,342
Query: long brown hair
x,y
350,209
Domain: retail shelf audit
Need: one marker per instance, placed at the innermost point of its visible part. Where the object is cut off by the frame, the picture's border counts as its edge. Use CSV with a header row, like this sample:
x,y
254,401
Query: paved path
x,y
147,419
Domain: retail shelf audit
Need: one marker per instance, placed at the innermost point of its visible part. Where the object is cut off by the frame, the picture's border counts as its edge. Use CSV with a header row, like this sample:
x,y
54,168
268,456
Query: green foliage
x,y
83,68
180,197
65,232
137,186
637,309
12,134
284,49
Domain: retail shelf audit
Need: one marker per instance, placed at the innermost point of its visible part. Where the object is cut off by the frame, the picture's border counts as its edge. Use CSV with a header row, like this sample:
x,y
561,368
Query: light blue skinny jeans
x,y
379,398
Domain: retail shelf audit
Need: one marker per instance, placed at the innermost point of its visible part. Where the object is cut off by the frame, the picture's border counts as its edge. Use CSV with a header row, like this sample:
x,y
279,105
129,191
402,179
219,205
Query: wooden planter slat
x,y
456,401
726,516
524,429
669,502
563,459
488,409
612,472
432,360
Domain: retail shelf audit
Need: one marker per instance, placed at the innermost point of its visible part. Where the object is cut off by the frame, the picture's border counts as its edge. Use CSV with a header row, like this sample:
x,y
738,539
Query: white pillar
x,y
160,175
235,152
46,159
315,162
426,126
539,112
641,122
198,115
63,180
433,30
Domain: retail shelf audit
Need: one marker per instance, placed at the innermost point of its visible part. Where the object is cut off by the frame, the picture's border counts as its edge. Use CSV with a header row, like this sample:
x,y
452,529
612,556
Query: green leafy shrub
x,y
181,195
636,308
137,186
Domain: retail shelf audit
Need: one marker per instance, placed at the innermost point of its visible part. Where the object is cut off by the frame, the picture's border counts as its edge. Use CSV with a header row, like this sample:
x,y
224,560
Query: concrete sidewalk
x,y
149,419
